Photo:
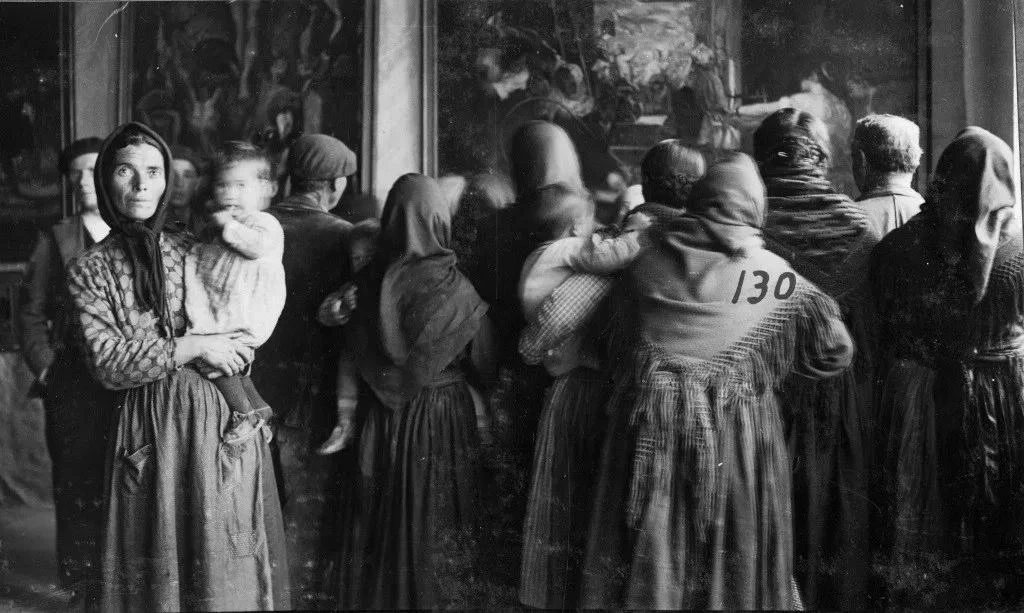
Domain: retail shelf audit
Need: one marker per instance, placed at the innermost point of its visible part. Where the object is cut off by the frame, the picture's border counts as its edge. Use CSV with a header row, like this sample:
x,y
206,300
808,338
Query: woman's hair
x,y
789,137
235,152
78,148
669,171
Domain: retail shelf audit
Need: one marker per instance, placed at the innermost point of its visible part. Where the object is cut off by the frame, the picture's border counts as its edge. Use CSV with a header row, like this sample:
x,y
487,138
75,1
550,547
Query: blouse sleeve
x,y
562,315
824,346
259,236
606,256
117,361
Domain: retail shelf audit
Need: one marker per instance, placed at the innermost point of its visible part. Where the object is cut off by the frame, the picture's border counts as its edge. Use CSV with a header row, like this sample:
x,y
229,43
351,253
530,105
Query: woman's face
x,y
139,181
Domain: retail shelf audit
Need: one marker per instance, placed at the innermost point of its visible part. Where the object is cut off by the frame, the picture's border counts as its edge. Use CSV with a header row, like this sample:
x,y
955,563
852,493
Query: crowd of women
x,y
746,392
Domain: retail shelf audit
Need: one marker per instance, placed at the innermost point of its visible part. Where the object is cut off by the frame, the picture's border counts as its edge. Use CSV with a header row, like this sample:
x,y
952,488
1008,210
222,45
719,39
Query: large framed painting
x,y
621,75
206,72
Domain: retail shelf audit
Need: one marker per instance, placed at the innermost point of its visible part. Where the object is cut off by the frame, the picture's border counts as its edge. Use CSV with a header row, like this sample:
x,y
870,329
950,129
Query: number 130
x,y
787,278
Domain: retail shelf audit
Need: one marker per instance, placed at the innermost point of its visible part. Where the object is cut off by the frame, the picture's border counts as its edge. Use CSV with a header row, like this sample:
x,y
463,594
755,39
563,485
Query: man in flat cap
x,y
296,368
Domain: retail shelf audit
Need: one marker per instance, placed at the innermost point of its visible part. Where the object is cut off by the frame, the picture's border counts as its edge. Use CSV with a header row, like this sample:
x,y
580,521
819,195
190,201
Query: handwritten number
x,y
786,276
760,285
739,287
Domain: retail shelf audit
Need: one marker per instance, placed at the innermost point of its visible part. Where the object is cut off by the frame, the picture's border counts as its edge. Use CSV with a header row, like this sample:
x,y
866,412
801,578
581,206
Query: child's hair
x,y
556,209
365,230
236,151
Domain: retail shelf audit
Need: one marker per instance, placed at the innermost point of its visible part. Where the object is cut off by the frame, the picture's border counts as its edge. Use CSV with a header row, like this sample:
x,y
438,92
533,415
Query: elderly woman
x,y
693,503
188,524
827,239
948,285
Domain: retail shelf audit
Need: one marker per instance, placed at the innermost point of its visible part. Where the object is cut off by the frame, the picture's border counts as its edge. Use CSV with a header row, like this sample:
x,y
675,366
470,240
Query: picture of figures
x,y
621,75
838,61
32,92
206,72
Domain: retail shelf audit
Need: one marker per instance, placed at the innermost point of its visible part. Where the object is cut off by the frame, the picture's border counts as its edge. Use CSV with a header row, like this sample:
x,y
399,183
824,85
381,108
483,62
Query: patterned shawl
x,y
821,232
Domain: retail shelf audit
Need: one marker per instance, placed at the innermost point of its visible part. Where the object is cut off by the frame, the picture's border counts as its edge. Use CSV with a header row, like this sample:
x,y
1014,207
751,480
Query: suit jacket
x,y
45,323
296,369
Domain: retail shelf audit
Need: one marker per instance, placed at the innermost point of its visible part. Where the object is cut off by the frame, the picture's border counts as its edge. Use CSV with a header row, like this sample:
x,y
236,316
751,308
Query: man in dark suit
x,y
296,368
76,405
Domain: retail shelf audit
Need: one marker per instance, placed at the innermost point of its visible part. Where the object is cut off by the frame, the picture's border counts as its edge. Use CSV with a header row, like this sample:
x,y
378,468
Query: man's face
x,y
185,180
80,178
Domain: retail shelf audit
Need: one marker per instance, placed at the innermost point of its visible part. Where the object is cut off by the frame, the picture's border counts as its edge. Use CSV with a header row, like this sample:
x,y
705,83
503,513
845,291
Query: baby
x,y
571,247
335,310
234,279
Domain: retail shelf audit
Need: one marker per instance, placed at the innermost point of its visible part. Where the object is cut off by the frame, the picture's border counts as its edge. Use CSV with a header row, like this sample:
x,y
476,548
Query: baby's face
x,y
361,253
239,189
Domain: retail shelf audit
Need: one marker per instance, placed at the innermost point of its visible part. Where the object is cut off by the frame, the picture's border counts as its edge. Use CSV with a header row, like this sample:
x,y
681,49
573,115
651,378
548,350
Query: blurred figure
x,y
77,407
296,368
886,154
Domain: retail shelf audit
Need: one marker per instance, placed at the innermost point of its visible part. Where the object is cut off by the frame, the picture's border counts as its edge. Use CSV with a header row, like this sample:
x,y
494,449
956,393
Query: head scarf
x,y
726,210
420,311
972,204
682,285
542,153
141,239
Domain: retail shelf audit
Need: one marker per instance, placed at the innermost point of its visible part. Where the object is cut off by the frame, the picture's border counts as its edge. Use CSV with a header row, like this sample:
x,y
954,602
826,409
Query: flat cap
x,y
318,156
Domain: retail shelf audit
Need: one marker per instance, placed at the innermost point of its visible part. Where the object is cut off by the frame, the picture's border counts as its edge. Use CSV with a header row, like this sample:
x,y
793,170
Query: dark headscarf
x,y
420,313
972,205
141,239
542,153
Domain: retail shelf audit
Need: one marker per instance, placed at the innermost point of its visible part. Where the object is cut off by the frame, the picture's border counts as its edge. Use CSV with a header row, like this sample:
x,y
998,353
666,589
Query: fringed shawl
x,y
417,312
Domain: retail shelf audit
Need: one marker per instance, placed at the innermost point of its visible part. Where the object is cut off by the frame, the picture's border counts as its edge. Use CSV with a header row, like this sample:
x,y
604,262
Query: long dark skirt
x,y
191,524
428,512
365,465
565,467
913,519
78,413
830,497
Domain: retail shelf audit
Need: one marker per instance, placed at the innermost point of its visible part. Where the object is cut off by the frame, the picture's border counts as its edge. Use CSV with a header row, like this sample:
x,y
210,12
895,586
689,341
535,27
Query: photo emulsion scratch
x,y
511,304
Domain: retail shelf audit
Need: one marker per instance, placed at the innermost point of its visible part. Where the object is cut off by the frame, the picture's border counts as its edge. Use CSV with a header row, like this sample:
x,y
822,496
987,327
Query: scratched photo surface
x,y
511,304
